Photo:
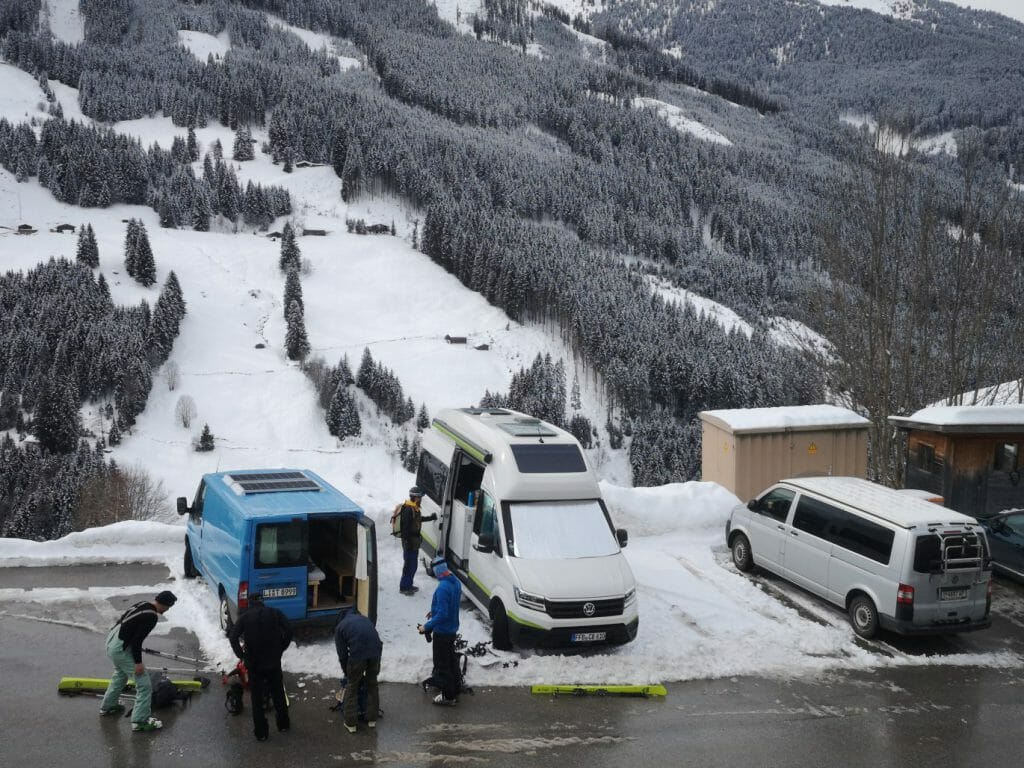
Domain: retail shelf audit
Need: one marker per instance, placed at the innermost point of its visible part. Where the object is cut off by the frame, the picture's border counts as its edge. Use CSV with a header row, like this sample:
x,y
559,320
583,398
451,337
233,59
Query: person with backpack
x,y
124,649
359,650
443,624
408,519
259,638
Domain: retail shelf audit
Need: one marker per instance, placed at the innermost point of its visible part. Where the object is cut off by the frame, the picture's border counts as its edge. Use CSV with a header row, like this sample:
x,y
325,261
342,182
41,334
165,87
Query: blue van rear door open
x,y
281,565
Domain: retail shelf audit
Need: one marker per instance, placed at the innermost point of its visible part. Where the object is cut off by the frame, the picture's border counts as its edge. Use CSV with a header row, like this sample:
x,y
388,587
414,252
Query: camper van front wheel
x,y
863,616
741,556
499,628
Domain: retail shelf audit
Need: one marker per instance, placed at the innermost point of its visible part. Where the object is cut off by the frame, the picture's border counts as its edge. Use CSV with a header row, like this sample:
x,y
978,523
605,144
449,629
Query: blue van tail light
x,y
243,595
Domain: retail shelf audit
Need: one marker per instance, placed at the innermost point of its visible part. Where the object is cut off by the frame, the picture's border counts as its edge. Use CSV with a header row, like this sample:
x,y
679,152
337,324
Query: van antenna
x,y
218,465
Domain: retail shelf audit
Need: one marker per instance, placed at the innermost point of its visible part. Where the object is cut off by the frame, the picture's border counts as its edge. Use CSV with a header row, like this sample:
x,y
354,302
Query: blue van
x,y
286,534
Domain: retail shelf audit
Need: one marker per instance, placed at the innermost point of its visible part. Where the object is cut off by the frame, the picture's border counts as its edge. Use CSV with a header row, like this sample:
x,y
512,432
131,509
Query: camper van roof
x,y
497,437
264,492
885,503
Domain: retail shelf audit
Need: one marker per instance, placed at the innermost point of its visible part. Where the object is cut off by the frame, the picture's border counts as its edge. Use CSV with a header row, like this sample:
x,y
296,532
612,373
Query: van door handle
x,y
781,527
794,533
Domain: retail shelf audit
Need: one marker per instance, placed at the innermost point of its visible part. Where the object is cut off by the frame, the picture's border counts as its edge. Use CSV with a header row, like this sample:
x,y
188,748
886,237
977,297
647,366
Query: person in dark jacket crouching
x,y
260,637
443,623
359,651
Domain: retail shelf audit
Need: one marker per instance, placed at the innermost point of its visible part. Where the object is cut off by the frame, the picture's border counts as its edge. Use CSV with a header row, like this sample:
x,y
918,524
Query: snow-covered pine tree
x,y
131,247
86,252
145,265
293,288
242,150
296,341
422,418
55,421
291,256
205,439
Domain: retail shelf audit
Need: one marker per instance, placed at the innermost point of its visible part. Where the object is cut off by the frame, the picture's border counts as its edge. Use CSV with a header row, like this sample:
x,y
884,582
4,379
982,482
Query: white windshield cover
x,y
555,530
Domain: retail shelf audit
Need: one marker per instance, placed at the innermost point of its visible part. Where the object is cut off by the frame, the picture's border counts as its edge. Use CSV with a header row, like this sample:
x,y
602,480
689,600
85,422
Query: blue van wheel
x,y
190,566
226,623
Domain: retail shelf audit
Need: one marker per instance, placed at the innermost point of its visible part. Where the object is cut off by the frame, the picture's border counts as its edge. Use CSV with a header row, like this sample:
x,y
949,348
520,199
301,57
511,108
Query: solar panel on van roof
x,y
273,482
527,428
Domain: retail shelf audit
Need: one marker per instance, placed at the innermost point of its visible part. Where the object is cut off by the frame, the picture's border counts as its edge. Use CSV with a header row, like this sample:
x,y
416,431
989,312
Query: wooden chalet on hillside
x,y
971,455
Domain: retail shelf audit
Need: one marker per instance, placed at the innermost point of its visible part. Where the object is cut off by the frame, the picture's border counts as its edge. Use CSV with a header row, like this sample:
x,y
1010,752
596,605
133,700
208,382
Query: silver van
x,y
890,560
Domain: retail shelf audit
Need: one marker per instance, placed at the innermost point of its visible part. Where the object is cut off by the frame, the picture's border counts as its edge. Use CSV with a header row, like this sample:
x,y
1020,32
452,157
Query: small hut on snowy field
x,y
971,455
748,449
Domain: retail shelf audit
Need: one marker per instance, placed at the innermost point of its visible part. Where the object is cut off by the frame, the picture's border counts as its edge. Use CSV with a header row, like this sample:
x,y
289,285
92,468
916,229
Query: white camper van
x,y
523,525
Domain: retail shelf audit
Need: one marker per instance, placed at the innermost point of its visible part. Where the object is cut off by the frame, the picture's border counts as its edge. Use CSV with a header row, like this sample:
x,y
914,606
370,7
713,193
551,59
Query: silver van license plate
x,y
953,594
588,637
280,592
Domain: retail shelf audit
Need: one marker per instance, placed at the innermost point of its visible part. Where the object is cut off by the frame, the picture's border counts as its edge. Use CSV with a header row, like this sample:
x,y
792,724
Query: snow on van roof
x,y
793,417
898,508
959,418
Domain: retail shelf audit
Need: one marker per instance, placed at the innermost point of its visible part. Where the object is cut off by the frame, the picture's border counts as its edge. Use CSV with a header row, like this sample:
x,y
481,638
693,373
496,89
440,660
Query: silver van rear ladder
x,y
961,550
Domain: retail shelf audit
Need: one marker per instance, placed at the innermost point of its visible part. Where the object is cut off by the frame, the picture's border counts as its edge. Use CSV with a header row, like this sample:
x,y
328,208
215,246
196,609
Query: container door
x,y
366,568
280,560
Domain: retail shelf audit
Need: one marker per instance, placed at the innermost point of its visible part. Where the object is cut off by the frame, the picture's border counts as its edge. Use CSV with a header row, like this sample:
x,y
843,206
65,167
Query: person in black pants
x,y
259,638
359,650
443,624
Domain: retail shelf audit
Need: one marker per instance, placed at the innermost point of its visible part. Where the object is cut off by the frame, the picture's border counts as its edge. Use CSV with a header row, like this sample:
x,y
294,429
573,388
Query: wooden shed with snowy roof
x,y
748,449
968,454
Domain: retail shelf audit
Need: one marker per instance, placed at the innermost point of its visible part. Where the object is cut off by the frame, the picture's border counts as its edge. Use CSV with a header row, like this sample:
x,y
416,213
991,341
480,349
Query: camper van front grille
x,y
577,609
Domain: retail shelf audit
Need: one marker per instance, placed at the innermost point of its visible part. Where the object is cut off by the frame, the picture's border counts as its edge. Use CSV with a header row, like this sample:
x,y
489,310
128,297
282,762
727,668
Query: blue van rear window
x,y
281,545
540,458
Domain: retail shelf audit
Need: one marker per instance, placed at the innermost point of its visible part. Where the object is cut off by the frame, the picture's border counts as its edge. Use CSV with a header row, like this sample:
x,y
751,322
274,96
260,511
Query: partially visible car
x,y
1005,532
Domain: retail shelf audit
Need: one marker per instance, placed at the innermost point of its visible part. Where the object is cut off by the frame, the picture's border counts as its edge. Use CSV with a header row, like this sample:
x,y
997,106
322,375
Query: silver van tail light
x,y
905,595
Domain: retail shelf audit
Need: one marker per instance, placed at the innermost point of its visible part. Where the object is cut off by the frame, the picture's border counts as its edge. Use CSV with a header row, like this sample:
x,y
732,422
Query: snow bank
x,y
673,508
202,44
675,117
130,541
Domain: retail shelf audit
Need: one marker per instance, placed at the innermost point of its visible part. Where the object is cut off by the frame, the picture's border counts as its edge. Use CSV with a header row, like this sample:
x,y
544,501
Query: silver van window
x,y
844,529
776,504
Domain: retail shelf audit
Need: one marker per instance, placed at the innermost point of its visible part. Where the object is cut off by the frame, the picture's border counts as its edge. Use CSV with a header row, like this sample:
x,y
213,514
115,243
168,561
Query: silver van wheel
x,y
863,617
741,556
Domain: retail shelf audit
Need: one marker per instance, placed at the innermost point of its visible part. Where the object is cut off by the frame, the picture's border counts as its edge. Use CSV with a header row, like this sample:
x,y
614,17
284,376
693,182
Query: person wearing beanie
x,y
410,521
443,623
124,649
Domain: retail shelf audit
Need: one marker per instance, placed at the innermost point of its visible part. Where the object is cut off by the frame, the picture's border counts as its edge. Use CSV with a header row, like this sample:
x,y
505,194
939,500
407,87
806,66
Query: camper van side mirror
x,y
484,543
622,535
182,505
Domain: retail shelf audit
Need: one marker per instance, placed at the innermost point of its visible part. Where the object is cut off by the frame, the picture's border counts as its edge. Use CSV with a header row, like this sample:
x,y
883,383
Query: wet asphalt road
x,y
915,716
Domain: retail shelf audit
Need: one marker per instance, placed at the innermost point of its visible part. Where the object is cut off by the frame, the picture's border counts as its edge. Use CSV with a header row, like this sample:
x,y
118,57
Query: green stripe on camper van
x,y
522,622
469,447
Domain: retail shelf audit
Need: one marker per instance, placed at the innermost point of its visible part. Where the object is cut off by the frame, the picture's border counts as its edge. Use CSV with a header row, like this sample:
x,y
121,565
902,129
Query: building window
x,y
925,458
1007,457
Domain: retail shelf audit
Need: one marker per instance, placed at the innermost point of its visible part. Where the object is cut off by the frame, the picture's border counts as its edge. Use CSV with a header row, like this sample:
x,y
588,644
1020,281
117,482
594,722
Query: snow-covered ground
x,y
781,330
903,9
202,45
64,19
894,143
699,617
315,41
676,118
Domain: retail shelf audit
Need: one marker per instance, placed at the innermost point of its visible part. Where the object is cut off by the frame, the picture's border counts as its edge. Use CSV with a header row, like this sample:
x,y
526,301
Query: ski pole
x,y
174,656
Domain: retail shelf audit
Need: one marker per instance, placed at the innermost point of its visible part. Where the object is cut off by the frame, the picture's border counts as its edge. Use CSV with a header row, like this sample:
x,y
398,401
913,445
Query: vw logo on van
x,y
589,609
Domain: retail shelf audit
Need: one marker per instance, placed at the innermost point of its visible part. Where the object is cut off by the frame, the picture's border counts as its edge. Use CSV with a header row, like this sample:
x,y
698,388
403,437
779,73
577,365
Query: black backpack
x,y
166,693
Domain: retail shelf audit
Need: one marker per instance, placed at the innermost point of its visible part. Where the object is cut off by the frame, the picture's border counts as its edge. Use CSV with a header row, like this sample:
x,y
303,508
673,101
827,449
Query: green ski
x,y
602,690
69,686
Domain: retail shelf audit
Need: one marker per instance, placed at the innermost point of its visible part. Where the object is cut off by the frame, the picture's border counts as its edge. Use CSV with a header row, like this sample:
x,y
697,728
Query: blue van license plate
x,y
588,637
280,592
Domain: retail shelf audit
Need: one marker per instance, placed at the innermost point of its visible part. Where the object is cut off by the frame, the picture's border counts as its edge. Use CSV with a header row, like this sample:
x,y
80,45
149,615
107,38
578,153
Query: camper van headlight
x,y
630,597
536,602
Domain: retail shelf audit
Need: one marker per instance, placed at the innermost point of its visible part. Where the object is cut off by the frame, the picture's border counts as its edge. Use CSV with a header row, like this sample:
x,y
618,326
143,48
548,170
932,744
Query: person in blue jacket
x,y
443,623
